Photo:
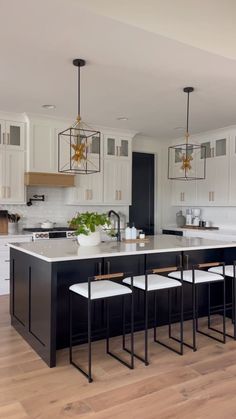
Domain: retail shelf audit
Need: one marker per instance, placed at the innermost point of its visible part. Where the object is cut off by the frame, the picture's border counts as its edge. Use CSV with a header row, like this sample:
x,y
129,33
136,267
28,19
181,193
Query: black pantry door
x,y
141,212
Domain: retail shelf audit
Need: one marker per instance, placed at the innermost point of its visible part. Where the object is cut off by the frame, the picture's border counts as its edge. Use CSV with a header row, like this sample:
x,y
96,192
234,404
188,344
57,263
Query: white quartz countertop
x,y
59,250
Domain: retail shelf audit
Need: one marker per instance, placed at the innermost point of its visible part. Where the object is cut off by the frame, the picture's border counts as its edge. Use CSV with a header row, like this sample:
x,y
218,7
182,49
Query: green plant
x,y
87,222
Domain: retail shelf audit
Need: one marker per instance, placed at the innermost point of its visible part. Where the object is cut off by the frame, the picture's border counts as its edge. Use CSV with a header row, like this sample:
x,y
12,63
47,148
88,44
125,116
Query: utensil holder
x,y
12,228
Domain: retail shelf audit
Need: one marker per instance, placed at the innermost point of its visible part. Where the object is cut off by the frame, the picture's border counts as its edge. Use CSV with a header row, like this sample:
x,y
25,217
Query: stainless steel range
x,y
51,233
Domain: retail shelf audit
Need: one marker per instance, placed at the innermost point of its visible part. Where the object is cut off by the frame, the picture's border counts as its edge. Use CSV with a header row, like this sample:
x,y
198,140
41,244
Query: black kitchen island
x,y
42,271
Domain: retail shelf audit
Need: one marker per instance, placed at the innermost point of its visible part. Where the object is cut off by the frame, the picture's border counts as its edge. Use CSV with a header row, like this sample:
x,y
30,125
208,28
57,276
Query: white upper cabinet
x,y
214,190
88,190
111,186
42,145
116,146
117,182
12,135
12,162
183,192
232,170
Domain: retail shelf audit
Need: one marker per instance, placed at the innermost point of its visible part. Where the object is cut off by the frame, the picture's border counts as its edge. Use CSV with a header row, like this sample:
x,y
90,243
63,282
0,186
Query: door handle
x,y
108,267
99,268
186,257
180,260
4,138
8,138
213,196
120,195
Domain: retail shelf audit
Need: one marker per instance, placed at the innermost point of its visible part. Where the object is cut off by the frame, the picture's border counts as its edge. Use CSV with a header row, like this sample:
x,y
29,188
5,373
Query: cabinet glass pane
x,y
95,146
124,148
208,150
111,150
14,135
221,147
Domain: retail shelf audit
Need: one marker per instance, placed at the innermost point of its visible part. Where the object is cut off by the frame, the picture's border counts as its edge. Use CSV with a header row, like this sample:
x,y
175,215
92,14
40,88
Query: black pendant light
x,y
187,161
79,147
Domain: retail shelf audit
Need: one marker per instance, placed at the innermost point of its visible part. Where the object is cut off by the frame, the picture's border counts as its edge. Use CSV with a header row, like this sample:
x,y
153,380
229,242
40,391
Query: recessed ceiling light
x,y
122,118
179,128
49,106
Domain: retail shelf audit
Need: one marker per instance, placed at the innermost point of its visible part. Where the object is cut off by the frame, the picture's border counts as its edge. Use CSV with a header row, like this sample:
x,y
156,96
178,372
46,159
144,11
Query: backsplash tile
x,y
53,208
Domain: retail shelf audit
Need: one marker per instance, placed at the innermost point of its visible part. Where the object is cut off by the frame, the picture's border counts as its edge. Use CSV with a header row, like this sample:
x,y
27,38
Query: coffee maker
x,y
196,216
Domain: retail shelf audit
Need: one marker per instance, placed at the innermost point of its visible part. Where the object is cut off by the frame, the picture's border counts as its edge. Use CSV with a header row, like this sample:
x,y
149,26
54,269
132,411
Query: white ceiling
x,y
204,24
131,71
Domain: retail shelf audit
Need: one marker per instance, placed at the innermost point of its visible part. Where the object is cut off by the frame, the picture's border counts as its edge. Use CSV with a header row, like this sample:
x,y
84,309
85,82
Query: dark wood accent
x,y
109,276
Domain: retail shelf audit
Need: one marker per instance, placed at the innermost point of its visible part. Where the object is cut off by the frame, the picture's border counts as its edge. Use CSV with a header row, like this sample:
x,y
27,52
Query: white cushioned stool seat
x,y
100,289
229,270
155,282
200,276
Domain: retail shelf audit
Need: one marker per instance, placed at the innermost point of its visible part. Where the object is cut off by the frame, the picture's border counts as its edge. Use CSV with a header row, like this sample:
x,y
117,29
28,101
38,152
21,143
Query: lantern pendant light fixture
x,y
79,147
187,161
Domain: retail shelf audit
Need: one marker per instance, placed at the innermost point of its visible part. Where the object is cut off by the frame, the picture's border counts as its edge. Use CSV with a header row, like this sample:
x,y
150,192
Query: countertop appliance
x,y
51,233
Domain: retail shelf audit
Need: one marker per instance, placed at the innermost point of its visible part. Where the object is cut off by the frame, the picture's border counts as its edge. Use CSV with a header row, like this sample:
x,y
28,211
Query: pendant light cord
x,y
187,125
79,91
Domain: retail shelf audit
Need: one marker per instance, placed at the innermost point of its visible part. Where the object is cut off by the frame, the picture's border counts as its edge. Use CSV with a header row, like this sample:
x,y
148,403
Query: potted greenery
x,y
88,226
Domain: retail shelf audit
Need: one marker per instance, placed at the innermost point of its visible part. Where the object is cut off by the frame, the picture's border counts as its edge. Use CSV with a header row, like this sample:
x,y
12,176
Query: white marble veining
x,y
60,250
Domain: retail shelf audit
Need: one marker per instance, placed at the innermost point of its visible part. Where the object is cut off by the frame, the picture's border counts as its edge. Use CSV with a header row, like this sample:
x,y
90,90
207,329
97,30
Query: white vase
x,y
93,239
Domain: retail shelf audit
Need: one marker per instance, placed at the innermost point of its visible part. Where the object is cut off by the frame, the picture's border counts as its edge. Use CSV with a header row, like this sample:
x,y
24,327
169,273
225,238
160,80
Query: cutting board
x,y
201,228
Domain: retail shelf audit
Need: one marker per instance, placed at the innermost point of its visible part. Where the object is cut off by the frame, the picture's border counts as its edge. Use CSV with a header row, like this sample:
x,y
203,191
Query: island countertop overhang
x,y
61,250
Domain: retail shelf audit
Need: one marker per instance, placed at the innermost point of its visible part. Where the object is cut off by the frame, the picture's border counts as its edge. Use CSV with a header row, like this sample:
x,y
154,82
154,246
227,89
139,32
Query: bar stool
x,y
97,288
195,278
153,282
230,272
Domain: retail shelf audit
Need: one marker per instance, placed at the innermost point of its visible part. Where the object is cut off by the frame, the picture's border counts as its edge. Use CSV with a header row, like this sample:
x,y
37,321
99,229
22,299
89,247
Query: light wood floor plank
x,y
197,385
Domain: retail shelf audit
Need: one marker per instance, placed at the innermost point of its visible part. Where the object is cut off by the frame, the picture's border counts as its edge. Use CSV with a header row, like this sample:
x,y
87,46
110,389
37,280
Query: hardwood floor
x,y
197,385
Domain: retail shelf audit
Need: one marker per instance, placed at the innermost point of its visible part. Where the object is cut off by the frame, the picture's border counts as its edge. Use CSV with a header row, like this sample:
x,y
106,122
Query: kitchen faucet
x,y
118,235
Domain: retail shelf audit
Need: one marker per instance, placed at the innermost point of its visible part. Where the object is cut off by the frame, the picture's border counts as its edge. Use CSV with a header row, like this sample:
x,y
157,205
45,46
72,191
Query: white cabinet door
x,y
125,182
117,182
88,190
183,192
15,135
43,152
14,177
2,174
2,133
214,190
232,170
117,146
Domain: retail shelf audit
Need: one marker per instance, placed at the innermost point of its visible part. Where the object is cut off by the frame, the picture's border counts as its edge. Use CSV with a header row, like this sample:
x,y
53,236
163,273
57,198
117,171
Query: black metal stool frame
x,y
146,294
130,365
230,306
195,306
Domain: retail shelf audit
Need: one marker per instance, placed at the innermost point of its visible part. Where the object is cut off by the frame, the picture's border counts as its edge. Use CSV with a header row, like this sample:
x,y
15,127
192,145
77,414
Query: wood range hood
x,y
49,179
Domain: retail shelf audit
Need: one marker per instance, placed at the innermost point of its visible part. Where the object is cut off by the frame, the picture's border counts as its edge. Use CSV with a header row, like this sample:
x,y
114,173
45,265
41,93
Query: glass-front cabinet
x,y
12,135
116,146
